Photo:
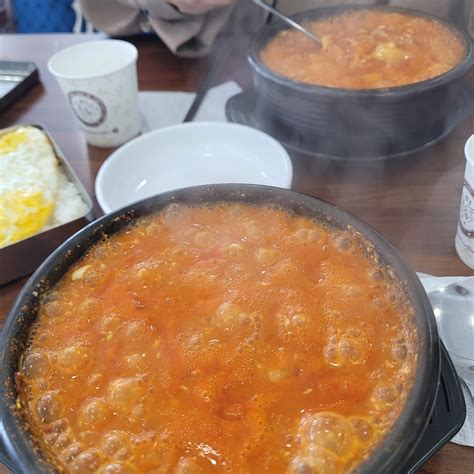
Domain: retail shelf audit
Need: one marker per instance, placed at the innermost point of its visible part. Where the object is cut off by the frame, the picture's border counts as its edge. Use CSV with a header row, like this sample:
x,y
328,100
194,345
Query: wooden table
x,y
413,202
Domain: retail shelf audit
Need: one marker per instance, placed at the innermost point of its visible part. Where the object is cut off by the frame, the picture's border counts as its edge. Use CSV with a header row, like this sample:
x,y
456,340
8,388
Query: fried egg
x,y
28,183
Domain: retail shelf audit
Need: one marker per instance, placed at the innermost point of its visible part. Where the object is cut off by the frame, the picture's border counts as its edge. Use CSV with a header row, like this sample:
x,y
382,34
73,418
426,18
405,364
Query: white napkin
x,y
162,108
466,434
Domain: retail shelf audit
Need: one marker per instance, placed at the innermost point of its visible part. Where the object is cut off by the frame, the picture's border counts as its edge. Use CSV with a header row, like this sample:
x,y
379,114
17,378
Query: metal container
x,y
389,454
365,122
23,257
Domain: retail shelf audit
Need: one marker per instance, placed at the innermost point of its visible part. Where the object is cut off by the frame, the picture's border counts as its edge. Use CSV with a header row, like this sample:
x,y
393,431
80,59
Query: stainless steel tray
x,y
23,257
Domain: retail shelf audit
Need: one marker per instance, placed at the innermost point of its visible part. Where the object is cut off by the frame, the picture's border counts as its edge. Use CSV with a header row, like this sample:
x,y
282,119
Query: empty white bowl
x,y
190,154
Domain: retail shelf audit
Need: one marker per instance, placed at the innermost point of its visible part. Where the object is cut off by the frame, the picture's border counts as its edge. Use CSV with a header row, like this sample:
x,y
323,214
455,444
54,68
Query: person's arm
x,y
112,16
198,7
195,24
185,34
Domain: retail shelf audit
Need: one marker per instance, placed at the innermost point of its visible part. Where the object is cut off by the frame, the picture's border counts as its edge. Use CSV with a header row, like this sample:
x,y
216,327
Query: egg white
x,y
28,183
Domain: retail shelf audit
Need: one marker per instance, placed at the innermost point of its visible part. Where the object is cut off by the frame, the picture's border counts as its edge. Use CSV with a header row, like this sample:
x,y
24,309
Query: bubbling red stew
x,y
366,49
219,338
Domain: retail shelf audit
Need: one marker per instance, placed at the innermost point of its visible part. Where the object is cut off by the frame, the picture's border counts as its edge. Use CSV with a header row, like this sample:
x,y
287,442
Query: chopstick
x,y
216,64
290,21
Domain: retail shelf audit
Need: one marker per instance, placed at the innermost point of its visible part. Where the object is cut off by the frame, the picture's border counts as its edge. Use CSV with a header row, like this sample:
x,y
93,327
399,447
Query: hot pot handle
x,y
464,106
460,104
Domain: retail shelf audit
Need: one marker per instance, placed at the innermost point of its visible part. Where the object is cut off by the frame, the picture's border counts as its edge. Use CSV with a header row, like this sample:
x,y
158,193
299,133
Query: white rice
x,y
69,204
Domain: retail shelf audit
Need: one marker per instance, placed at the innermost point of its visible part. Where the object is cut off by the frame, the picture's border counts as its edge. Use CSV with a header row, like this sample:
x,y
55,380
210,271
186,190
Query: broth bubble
x,y
72,359
352,350
91,308
343,243
115,442
350,347
376,275
63,440
399,349
36,364
362,428
86,462
384,396
52,309
188,465
204,238
94,413
71,452
117,468
109,324
227,313
125,393
49,407
315,460
328,430
332,356
307,236
174,214
55,429
252,229
234,249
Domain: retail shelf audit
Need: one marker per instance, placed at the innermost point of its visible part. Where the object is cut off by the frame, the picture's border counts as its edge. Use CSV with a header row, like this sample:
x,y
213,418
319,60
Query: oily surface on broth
x,y
366,49
220,338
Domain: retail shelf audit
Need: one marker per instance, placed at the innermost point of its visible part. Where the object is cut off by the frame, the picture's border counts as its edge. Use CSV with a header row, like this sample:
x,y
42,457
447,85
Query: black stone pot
x,y
19,447
360,123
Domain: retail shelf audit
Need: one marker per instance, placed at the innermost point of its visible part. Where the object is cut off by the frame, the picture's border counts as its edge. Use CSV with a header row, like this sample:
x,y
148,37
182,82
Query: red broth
x,y
366,49
220,338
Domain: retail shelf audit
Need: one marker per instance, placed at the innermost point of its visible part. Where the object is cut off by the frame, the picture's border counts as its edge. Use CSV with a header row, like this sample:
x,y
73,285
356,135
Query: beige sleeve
x,y
191,35
112,16
185,35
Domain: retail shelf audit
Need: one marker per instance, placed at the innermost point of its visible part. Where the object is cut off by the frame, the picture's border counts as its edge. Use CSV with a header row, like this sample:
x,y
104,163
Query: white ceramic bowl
x,y
187,155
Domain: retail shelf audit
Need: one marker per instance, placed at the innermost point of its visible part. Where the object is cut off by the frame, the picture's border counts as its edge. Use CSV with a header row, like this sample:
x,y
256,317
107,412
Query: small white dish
x,y
190,154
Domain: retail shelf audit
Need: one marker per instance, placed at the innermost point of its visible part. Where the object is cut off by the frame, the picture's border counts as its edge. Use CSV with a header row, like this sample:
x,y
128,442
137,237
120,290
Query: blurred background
x,y
60,16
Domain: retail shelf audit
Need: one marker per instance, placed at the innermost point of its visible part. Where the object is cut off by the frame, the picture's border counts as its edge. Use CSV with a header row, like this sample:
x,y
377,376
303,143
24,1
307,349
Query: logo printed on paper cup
x,y
464,241
89,109
466,219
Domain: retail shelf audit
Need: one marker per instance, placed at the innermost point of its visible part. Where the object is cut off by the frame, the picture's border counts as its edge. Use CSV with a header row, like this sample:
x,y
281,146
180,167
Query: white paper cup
x,y
464,241
99,79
